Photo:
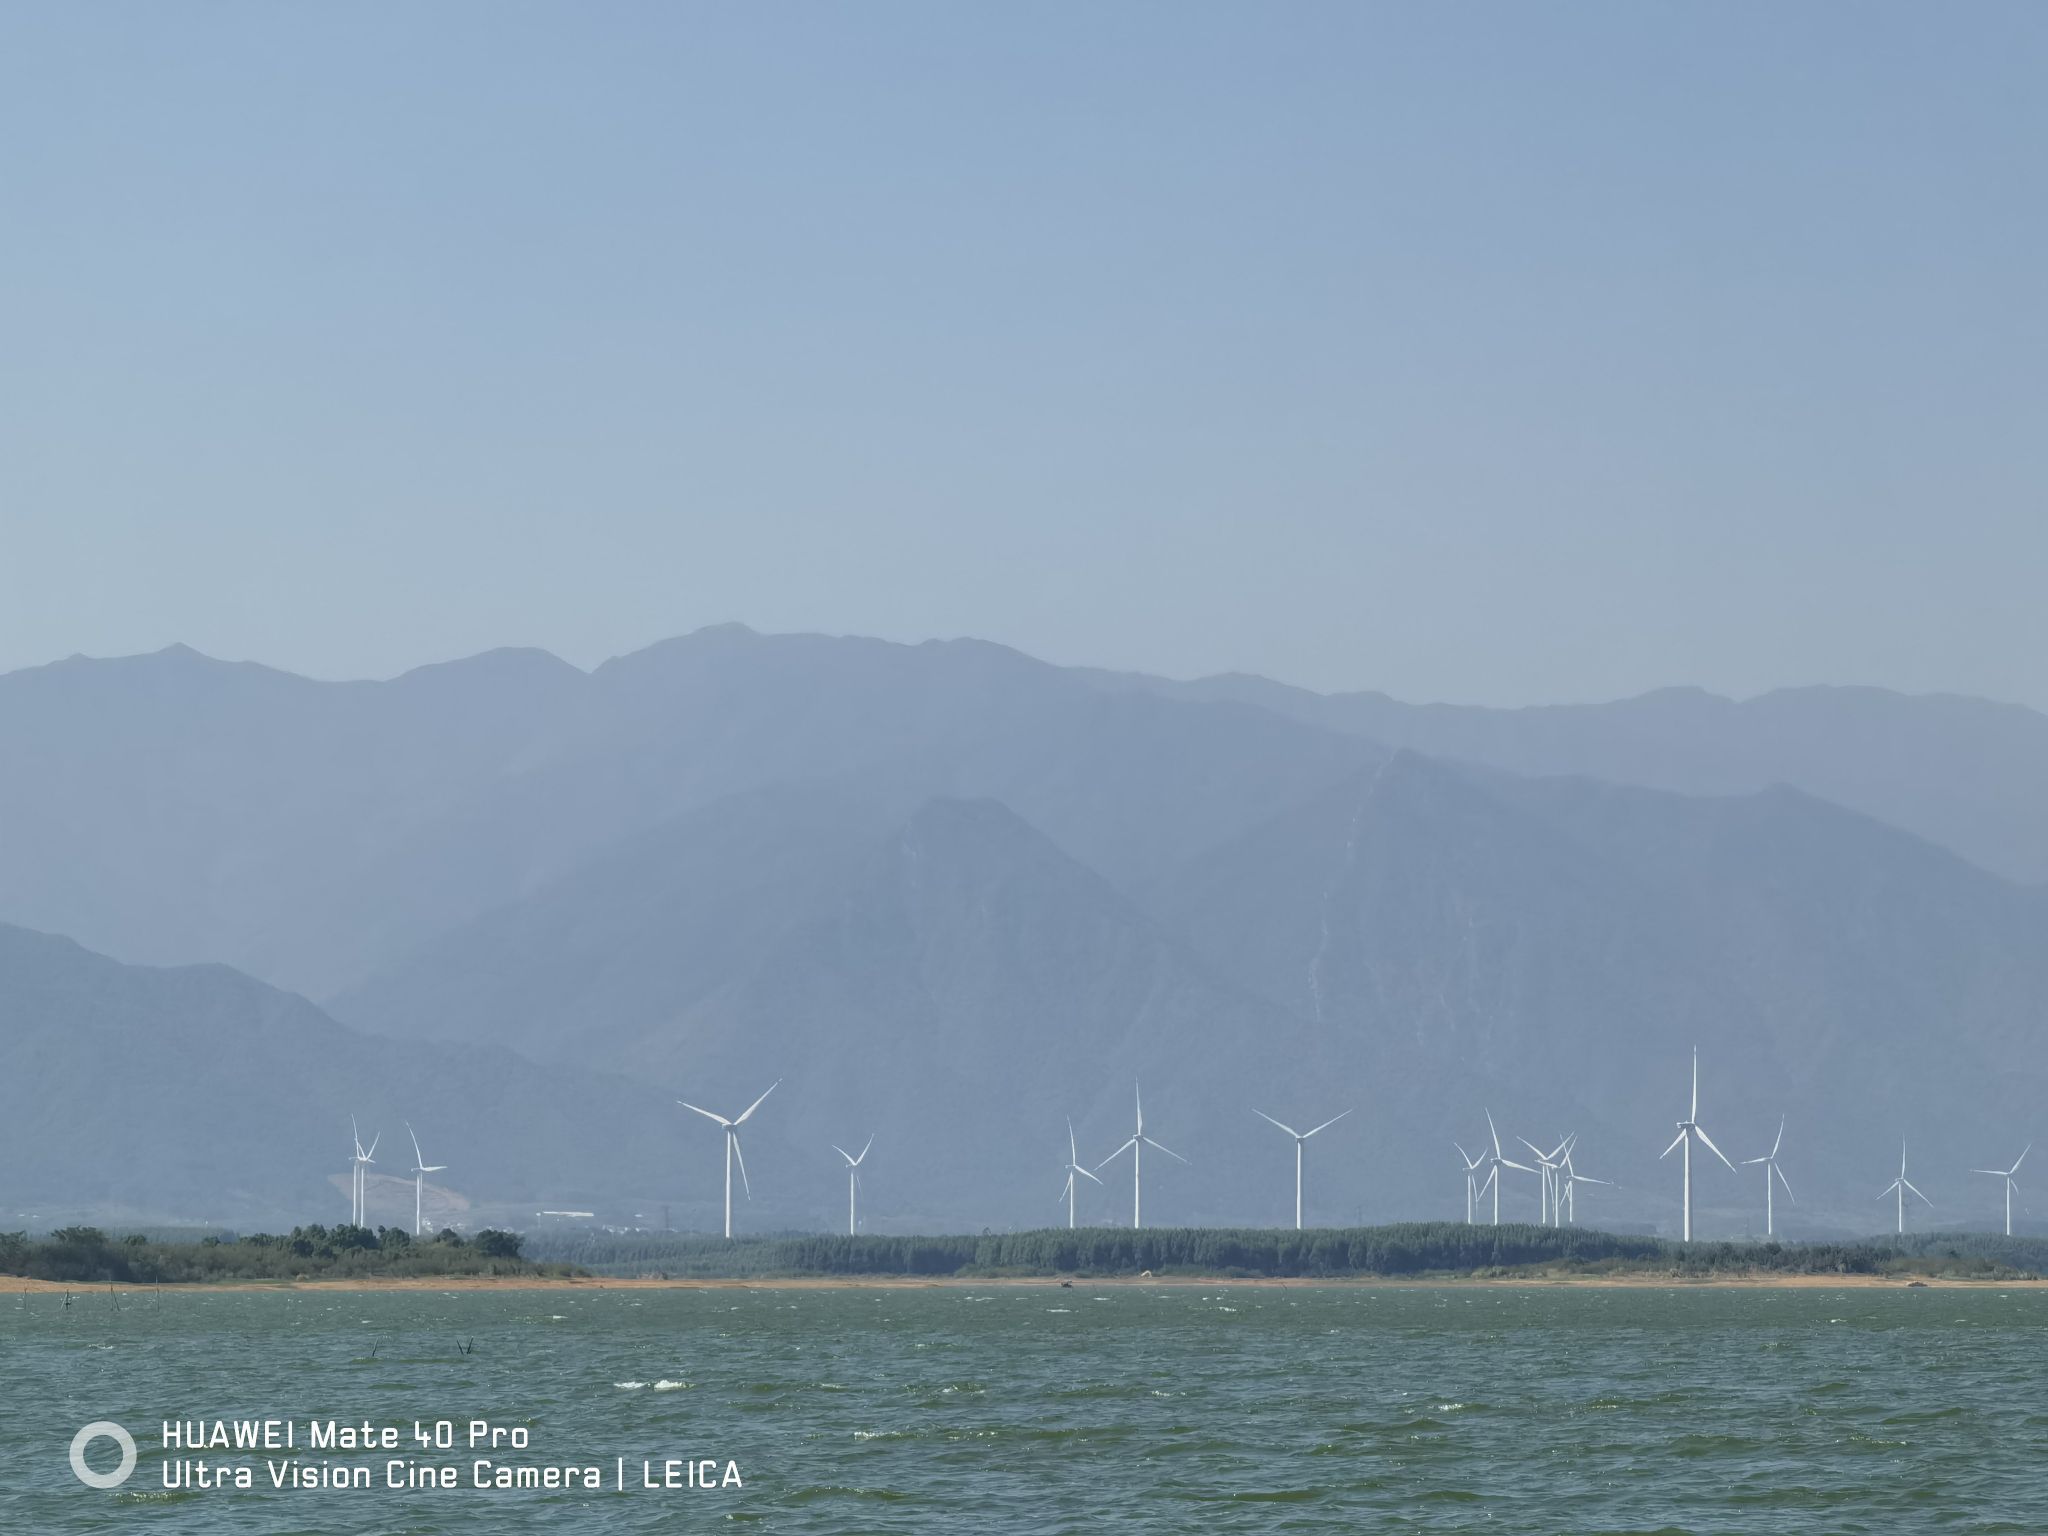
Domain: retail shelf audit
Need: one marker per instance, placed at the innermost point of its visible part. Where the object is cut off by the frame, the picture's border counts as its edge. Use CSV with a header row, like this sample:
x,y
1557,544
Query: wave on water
x,y
665,1385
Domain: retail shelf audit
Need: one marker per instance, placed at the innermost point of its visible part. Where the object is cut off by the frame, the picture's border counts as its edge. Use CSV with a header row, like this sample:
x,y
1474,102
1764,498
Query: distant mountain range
x,y
952,895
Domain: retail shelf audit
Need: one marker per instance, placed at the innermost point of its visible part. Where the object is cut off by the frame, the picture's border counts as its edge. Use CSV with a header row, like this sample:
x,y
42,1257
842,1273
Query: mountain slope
x,y
1578,939
198,1093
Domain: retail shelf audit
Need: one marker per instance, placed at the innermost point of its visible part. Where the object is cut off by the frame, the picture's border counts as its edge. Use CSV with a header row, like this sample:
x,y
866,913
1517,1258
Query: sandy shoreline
x,y
18,1286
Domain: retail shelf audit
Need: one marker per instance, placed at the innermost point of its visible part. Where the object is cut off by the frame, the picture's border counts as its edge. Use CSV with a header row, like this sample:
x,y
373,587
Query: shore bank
x,y
1667,1282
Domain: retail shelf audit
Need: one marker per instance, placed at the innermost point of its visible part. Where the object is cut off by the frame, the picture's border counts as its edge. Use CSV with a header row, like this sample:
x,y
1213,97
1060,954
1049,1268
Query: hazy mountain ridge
x,y
1962,772
169,809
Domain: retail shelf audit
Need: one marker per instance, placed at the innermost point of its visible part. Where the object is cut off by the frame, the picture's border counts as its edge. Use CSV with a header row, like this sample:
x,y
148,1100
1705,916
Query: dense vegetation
x,y
1409,1249
1448,1250
86,1255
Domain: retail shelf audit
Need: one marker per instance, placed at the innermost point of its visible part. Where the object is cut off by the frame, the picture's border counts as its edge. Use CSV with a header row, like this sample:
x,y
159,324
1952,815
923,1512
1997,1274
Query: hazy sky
x,y
1488,353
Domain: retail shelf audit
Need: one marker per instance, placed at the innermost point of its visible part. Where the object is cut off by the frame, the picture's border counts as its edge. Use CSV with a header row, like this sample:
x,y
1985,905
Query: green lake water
x,y
1036,1409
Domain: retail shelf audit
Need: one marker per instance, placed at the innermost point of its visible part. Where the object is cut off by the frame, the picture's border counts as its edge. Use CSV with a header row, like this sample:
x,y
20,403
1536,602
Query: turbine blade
x,y
1493,1133
1085,1173
1490,1175
1786,1182
1525,1141
1064,1188
1672,1148
2021,1158
1749,1160
1073,1150
843,1153
1290,1130
1167,1150
1324,1126
741,1157
1889,1188
757,1103
1910,1189
1712,1148
372,1153
1119,1152
1695,1084
864,1152
704,1112
417,1155
1781,1136
1508,1162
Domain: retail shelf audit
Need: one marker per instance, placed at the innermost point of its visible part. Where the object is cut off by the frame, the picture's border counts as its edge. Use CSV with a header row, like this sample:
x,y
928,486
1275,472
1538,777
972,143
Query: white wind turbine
x,y
1569,1181
852,1175
1136,1147
1772,1172
420,1169
360,1213
1688,1132
1548,1163
1299,1138
732,1147
2006,1174
1471,1183
1494,1164
1073,1167
1900,1186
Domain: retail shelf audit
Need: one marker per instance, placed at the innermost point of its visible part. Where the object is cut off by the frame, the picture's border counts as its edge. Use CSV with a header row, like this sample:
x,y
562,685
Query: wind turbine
x,y
1568,1185
1773,1172
1494,1164
2005,1174
1549,1163
1299,1138
1471,1184
1136,1147
1902,1184
1073,1167
852,1175
420,1169
361,1214
732,1147
1688,1132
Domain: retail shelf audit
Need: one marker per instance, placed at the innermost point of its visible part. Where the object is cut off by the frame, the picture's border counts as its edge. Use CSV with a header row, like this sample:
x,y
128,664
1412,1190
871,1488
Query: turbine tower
x,y
1299,1138
732,1147
2006,1174
1688,1132
355,1170
852,1177
1073,1167
1901,1185
1494,1164
420,1169
1136,1147
1772,1172
1471,1183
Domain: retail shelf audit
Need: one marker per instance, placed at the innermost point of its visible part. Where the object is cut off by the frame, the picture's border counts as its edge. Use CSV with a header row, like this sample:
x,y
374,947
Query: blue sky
x,y
1497,354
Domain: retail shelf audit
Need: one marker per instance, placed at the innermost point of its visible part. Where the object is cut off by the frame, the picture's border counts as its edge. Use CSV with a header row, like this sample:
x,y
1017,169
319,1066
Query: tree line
x,y
1411,1249
90,1256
